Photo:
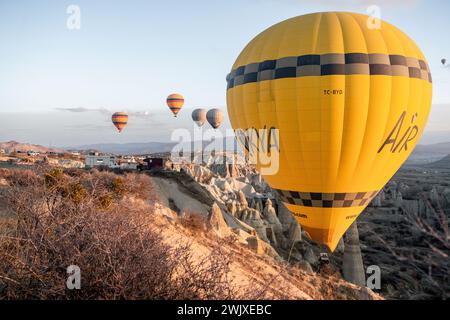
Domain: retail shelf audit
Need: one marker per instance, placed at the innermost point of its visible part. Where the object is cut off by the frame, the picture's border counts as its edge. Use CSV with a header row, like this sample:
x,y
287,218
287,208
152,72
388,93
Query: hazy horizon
x,y
59,87
93,127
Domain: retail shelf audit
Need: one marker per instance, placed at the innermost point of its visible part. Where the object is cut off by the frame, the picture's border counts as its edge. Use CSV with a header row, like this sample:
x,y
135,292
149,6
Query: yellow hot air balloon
x,y
175,102
344,105
120,120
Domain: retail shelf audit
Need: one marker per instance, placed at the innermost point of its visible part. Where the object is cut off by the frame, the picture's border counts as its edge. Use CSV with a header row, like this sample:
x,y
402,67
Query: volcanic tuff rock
x,y
353,265
387,231
217,222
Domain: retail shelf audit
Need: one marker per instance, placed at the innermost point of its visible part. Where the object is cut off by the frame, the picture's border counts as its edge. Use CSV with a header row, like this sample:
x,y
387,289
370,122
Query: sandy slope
x,y
247,268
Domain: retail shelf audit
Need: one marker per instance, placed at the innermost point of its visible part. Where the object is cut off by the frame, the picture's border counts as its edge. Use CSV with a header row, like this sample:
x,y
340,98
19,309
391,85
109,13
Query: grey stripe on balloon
x,y
330,64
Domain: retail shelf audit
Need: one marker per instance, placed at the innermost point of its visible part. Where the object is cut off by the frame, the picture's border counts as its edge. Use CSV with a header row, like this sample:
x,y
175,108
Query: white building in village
x,y
96,160
32,153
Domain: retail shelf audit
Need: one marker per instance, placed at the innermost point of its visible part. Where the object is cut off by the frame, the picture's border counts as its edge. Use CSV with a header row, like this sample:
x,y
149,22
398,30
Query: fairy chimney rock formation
x,y
242,199
217,222
353,268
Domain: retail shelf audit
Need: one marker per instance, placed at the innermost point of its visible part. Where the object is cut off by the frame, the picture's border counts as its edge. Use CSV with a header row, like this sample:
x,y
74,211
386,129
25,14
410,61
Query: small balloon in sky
x,y
120,120
175,102
199,116
215,117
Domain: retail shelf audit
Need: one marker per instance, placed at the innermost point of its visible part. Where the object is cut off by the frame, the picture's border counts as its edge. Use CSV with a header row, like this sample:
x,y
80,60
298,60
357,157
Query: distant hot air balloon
x,y
214,117
120,120
341,105
444,61
175,102
199,116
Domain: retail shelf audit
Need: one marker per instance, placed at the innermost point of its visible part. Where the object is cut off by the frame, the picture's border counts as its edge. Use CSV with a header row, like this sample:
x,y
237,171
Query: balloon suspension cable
x,y
290,251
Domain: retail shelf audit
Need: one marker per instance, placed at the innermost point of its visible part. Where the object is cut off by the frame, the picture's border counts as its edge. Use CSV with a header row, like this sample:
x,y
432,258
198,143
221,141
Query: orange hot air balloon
x,y
175,102
120,120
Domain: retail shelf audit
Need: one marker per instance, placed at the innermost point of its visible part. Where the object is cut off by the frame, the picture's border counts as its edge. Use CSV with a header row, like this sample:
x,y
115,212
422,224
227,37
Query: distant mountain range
x,y
151,147
442,148
12,146
429,153
128,148
421,155
444,163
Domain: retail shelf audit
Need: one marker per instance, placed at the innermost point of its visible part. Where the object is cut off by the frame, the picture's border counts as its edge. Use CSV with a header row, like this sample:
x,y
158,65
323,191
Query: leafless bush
x,y
85,220
207,278
436,227
429,260
193,221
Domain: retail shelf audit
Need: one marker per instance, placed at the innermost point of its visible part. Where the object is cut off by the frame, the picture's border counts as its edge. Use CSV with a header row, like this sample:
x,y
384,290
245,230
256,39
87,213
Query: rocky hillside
x,y
195,213
250,213
404,231
224,245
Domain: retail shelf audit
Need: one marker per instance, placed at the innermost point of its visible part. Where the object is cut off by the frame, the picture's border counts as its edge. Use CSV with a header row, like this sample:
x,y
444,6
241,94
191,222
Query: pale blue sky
x,y
129,55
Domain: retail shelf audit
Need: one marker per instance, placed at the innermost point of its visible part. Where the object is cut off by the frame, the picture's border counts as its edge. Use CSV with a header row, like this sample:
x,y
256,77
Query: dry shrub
x,y
120,253
21,177
54,178
76,192
193,221
138,185
105,201
119,186
207,278
4,173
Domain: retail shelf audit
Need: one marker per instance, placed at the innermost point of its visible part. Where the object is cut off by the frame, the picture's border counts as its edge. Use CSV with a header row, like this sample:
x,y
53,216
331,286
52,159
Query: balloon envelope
x,y
175,102
215,117
199,116
342,106
443,61
120,120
